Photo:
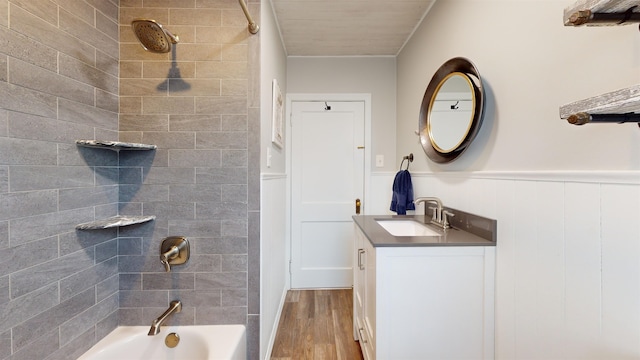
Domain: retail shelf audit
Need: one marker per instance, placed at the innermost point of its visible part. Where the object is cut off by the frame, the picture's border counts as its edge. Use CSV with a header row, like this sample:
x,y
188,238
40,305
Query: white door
x,y
327,157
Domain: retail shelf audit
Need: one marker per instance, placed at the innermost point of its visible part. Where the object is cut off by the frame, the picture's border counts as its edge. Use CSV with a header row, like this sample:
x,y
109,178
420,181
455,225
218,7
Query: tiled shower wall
x,y
60,289
58,83
197,105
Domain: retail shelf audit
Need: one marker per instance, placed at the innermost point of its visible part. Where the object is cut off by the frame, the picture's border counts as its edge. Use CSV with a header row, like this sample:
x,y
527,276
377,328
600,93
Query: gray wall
x,y
62,289
344,75
59,72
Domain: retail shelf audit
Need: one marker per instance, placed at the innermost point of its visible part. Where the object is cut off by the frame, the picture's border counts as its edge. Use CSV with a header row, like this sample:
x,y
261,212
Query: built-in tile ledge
x,y
616,102
114,145
116,221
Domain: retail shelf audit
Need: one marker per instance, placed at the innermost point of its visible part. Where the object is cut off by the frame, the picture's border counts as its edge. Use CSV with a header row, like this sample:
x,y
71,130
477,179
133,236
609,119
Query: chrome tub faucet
x,y
174,307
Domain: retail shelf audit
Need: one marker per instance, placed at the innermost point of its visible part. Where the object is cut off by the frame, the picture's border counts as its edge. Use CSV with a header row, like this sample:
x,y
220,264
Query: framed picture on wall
x,y
277,121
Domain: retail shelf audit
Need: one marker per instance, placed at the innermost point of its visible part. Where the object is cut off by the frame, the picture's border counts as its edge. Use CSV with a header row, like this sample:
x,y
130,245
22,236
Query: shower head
x,y
153,36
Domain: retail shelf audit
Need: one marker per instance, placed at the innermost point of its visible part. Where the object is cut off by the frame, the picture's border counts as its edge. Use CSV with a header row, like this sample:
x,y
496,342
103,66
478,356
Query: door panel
x,y
327,177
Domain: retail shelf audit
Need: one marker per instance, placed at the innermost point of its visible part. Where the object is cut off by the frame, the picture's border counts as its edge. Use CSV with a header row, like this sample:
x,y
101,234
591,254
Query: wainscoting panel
x,y
274,256
620,242
568,257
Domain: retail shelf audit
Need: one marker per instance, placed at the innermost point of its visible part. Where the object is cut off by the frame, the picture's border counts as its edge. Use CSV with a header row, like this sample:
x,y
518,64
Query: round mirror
x,y
451,111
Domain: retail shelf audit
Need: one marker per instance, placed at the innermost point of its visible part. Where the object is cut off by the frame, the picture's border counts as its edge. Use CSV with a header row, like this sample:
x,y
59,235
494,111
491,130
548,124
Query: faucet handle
x,y
169,255
445,215
165,261
435,213
174,251
167,266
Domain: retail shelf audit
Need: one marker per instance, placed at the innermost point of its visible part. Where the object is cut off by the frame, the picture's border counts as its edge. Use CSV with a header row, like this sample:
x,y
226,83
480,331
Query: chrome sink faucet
x,y
439,215
174,307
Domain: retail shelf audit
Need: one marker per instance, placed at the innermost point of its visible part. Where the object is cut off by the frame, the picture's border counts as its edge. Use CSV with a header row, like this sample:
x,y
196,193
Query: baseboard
x,y
276,323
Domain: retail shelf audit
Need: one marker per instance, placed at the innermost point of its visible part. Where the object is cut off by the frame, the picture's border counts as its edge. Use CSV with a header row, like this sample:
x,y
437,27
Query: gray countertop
x,y
379,237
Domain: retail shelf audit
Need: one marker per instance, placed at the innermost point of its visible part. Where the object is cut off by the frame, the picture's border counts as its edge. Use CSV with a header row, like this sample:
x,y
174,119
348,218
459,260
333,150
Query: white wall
x,y
531,64
273,65
566,198
273,260
341,75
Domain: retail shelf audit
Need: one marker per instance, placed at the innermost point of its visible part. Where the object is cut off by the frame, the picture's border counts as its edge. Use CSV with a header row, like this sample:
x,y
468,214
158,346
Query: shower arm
x,y
253,27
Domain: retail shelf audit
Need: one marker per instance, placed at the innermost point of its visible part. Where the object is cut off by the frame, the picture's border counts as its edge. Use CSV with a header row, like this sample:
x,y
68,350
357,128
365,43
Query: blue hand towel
x,y
402,199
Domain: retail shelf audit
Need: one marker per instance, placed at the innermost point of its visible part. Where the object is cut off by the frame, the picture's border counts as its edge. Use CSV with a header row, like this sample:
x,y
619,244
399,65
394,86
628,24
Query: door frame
x,y
322,97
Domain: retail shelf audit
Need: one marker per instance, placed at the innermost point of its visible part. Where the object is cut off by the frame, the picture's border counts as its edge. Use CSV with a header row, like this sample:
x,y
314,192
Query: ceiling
x,y
347,27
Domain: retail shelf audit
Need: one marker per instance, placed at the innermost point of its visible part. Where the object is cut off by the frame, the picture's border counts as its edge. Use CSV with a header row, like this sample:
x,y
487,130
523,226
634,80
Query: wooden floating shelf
x,y
114,145
618,106
614,12
115,221
616,102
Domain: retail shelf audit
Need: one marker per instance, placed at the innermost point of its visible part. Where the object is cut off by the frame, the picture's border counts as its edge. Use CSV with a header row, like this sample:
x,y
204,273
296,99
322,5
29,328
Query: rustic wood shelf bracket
x,y
582,118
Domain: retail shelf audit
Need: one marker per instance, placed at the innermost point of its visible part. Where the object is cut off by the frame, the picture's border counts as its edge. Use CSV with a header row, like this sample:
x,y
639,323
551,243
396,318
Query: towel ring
x,y
408,157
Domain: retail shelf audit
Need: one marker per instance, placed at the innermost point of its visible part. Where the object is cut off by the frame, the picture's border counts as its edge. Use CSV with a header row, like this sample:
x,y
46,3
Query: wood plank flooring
x,y
316,325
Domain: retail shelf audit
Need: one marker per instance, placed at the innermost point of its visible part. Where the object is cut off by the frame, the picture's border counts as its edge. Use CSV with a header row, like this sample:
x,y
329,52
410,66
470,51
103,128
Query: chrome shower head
x,y
153,36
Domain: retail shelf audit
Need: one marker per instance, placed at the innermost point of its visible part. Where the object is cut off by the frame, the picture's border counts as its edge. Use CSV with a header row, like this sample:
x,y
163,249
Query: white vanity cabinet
x,y
364,290
423,302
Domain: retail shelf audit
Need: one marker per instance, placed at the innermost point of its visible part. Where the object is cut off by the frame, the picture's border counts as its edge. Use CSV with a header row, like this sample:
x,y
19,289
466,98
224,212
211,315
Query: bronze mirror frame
x,y
463,67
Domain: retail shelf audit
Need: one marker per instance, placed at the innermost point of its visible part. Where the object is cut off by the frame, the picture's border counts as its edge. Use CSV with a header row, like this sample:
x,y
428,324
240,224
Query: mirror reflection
x,y
451,111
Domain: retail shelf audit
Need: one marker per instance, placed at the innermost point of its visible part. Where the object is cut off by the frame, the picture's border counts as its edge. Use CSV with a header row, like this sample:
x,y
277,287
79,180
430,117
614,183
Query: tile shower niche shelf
x,y
114,145
119,220
115,221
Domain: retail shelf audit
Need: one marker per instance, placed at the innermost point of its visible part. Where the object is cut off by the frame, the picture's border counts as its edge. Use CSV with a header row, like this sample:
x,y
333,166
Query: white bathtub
x,y
200,342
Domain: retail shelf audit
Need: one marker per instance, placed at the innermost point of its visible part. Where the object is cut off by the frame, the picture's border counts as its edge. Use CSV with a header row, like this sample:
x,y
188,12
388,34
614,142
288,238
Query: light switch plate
x,y
379,160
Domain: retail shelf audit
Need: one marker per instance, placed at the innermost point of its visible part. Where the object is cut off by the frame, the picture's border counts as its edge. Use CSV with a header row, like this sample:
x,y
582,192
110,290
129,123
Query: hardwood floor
x,y
316,325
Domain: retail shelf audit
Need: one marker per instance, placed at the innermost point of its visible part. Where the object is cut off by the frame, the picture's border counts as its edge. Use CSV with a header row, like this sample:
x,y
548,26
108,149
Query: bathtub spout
x,y
174,307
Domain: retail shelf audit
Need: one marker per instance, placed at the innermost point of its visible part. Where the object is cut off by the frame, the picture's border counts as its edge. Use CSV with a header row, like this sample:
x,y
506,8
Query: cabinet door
x,y
358,281
370,298
363,252
435,303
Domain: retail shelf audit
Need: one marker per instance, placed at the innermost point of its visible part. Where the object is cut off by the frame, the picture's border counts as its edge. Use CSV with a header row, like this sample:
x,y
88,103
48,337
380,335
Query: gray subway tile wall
x,y
197,183
73,70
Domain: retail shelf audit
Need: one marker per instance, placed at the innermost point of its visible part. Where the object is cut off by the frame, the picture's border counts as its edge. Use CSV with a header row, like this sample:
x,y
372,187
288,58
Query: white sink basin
x,y
406,228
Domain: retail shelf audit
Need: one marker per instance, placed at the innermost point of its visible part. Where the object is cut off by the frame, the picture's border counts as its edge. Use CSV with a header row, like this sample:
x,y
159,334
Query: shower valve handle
x,y
174,251
169,255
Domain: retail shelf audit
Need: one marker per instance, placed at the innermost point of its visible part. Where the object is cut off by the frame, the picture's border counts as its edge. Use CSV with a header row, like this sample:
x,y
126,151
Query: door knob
x,y
358,203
